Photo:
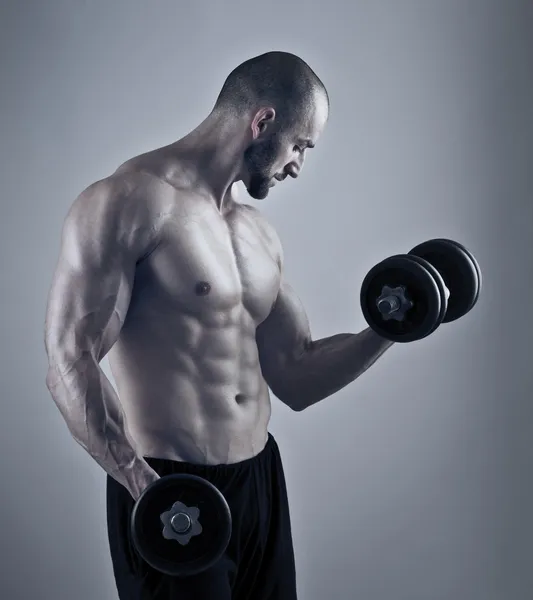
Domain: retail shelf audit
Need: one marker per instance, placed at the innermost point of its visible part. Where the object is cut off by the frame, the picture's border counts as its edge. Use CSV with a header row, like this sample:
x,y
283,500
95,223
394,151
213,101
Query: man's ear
x,y
264,117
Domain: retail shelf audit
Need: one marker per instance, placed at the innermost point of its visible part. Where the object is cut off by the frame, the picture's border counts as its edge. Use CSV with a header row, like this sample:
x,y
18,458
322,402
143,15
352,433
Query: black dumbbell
x,y
406,297
181,525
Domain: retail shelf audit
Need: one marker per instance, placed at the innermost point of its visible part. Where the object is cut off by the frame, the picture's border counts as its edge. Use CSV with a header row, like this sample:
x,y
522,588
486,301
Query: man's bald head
x,y
277,79
286,107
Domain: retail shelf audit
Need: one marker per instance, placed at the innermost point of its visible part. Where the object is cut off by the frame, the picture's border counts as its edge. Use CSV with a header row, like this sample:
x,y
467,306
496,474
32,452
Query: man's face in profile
x,y
276,155
261,159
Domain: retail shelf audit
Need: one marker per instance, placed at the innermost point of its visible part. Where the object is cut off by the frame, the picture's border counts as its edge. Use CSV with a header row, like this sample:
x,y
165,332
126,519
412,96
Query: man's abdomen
x,y
192,393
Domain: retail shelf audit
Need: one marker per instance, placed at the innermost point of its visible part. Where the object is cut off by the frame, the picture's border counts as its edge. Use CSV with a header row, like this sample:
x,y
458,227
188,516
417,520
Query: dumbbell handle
x,y
389,304
393,302
181,523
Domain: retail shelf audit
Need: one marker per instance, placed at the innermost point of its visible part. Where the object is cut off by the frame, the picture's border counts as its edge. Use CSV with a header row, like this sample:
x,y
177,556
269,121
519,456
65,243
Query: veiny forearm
x,y
328,365
92,411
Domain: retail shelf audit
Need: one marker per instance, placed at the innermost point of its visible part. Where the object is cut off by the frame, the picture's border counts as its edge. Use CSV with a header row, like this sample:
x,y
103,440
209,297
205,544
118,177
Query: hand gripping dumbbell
x,y
406,297
181,525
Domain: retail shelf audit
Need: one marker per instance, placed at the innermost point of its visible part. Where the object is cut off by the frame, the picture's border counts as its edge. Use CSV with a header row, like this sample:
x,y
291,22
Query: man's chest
x,y
206,264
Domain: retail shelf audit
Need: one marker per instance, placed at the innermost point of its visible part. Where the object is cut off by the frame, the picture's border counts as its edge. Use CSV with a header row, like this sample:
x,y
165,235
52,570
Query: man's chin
x,y
258,192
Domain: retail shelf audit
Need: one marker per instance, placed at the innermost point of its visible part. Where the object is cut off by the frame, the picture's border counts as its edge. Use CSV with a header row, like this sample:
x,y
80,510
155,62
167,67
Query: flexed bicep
x,y
282,338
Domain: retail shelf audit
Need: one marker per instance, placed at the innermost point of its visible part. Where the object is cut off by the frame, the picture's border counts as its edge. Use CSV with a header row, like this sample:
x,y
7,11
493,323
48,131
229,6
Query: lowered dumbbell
x,y
181,525
406,297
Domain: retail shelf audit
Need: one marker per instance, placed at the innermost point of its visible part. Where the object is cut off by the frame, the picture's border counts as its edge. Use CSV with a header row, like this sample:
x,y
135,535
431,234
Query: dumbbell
x,y
406,297
181,525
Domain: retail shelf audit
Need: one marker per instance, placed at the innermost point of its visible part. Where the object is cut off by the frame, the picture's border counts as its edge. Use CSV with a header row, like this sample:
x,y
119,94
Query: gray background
x,y
414,483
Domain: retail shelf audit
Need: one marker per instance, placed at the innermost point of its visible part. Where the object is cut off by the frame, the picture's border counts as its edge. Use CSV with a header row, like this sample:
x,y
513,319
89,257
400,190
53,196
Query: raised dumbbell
x,y
181,525
406,297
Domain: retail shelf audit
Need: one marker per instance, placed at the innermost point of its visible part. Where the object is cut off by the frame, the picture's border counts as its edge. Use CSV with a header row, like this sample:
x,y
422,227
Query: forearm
x,y
92,411
328,365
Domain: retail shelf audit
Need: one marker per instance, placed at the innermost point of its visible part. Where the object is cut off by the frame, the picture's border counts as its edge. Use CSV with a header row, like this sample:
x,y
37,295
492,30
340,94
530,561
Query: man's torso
x,y
186,363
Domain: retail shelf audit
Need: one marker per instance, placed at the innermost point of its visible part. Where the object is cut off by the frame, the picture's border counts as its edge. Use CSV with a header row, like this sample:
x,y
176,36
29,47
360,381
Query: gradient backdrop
x,y
414,483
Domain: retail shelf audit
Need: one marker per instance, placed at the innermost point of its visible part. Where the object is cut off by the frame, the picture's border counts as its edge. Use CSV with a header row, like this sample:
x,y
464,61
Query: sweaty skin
x,y
182,287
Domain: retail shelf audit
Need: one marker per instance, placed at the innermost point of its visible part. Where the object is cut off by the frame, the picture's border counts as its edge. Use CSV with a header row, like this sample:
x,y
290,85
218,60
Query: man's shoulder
x,y
259,218
266,228
128,201
156,178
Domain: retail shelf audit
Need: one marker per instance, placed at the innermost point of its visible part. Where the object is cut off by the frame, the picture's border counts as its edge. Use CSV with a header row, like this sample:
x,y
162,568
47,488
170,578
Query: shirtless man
x,y
182,285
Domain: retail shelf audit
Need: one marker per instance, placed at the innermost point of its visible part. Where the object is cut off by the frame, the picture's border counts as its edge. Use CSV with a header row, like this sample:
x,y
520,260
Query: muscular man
x,y
183,286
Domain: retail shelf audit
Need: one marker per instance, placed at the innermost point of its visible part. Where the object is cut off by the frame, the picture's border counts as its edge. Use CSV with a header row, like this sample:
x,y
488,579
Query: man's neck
x,y
215,150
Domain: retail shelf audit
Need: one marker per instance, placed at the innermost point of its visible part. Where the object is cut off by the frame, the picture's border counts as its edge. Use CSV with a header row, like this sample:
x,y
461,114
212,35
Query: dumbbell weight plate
x,y
459,270
424,287
168,555
440,284
476,267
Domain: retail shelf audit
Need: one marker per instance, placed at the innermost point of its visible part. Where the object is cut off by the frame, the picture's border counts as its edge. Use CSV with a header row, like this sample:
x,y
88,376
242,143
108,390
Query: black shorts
x,y
259,561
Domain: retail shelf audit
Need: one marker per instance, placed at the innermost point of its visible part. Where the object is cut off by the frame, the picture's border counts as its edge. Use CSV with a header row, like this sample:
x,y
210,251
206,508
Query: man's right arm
x,y
104,235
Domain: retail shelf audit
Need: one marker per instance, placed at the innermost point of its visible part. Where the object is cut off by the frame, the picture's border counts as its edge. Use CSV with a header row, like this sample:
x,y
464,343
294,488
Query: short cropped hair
x,y
278,79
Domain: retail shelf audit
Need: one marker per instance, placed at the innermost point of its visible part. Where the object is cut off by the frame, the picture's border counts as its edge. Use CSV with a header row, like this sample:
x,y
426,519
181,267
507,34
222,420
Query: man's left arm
x,y
301,371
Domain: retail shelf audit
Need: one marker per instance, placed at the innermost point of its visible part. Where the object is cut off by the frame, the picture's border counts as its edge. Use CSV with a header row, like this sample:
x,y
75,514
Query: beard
x,y
259,158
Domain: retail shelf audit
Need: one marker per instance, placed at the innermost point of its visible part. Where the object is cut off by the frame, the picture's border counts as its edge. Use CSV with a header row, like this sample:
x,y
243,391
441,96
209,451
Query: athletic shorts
x,y
259,561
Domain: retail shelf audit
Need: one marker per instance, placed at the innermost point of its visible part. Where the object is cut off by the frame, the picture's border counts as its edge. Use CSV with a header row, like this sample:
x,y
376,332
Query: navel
x,y
202,288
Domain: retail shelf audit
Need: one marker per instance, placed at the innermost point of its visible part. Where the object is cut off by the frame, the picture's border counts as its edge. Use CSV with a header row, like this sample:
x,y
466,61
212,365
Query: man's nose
x,y
293,169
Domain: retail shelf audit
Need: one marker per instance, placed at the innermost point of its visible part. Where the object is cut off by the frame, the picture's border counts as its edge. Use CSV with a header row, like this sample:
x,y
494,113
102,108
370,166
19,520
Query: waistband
x,y
166,466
